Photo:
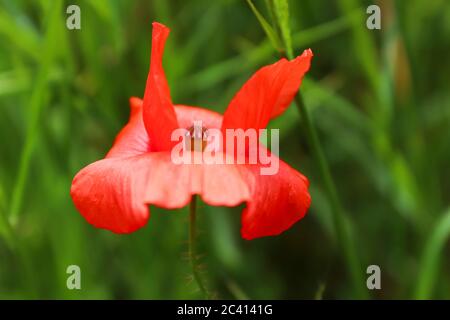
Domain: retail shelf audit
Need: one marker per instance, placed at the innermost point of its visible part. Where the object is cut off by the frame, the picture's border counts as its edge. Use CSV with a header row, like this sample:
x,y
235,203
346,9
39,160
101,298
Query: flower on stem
x,y
114,193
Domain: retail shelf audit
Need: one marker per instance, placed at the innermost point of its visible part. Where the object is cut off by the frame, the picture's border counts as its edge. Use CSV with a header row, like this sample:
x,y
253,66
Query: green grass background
x,y
380,100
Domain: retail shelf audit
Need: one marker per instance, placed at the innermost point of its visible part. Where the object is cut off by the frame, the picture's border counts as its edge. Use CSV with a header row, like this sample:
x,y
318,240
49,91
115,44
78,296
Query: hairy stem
x,y
192,247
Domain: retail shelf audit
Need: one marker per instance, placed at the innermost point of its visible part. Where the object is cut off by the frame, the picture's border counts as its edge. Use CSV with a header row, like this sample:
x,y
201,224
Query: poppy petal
x,y
173,185
159,114
186,116
114,193
109,193
266,94
276,201
132,140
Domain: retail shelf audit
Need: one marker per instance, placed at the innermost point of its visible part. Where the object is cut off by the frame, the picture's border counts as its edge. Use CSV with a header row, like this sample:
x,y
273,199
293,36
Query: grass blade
x,y
281,11
431,258
35,109
271,34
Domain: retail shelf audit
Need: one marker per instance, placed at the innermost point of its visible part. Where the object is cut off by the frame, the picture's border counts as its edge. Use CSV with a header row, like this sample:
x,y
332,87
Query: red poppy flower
x,y
114,193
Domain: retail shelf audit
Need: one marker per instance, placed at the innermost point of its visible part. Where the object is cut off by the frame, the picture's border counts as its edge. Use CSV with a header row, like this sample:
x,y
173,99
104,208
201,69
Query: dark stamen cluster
x,y
197,138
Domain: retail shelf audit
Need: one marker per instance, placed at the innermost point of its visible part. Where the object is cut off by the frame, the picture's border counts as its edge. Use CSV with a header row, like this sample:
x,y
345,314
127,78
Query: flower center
x,y
196,138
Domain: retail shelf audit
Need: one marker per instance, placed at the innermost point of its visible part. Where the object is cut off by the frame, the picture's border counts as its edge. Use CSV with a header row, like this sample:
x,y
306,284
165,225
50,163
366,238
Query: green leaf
x,y
271,34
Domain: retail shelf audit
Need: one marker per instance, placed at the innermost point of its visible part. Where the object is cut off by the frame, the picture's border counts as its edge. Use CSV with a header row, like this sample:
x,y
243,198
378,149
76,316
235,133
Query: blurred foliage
x,y
380,100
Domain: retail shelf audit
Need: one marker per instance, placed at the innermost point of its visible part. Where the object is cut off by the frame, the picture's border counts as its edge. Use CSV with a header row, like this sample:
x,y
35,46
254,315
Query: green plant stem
x,y
339,220
192,246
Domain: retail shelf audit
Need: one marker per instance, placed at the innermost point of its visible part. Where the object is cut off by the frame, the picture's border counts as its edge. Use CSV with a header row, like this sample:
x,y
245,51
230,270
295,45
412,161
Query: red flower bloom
x,y
114,193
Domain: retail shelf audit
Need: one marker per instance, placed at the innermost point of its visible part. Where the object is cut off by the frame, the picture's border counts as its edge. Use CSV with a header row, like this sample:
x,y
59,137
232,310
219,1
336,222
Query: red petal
x,y
114,193
159,114
132,139
186,116
172,185
267,93
109,193
276,201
